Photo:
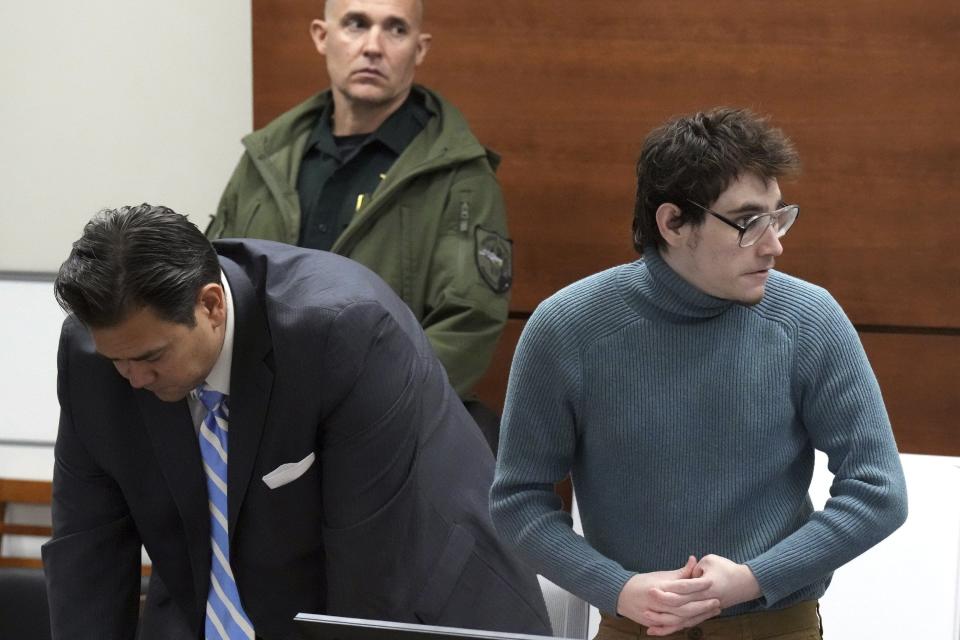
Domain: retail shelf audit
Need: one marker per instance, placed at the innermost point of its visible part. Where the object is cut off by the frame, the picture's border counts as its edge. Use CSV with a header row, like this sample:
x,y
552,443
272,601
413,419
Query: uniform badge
x,y
494,255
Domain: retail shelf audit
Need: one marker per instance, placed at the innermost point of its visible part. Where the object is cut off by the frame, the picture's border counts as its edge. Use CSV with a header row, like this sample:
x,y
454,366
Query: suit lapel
x,y
170,429
251,380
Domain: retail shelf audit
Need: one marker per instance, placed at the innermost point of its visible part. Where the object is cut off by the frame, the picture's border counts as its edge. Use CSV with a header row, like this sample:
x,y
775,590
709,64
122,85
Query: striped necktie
x,y
225,618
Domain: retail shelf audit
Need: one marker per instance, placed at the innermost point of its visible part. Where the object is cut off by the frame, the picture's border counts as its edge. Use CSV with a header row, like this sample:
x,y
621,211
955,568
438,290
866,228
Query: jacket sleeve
x,y
466,310
841,408
370,435
92,563
372,527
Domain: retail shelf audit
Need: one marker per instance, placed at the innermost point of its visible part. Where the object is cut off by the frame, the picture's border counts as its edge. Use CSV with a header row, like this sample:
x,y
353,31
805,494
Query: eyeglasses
x,y
781,220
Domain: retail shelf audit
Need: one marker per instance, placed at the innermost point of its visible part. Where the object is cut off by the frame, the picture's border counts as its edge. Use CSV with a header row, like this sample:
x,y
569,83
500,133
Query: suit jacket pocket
x,y
287,473
447,570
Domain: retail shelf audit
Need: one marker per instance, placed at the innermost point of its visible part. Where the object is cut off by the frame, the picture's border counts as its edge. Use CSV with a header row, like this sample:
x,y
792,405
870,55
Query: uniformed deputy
x,y
388,174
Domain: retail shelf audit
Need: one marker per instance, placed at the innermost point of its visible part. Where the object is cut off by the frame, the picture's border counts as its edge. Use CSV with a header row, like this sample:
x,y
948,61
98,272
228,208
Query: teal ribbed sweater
x,y
688,424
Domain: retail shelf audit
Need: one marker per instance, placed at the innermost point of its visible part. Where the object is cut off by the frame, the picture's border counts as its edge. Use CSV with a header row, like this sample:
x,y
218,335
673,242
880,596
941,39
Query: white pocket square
x,y
287,473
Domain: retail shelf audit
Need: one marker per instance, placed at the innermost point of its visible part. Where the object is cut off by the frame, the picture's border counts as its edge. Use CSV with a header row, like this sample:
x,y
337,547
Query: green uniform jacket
x,y
434,229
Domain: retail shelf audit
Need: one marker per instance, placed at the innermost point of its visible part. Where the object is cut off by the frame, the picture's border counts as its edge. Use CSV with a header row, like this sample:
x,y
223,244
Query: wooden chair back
x,y
35,492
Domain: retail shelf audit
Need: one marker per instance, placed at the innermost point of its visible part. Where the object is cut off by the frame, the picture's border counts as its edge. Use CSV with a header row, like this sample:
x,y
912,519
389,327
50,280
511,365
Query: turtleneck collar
x,y
650,283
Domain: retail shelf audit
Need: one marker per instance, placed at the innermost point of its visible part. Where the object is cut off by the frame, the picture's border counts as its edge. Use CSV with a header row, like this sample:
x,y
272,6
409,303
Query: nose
x,y
138,374
769,243
372,47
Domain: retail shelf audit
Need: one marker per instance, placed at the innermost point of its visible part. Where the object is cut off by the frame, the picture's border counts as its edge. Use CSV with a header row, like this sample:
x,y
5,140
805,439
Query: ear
x,y
212,304
318,33
668,222
423,45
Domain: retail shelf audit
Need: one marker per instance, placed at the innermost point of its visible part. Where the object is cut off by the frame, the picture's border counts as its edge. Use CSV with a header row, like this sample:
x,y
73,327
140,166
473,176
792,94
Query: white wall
x,y
30,329
111,102
102,103
908,586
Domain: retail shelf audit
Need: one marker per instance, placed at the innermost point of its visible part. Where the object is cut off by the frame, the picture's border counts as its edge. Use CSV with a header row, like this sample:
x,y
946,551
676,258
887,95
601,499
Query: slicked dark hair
x,y
696,158
135,257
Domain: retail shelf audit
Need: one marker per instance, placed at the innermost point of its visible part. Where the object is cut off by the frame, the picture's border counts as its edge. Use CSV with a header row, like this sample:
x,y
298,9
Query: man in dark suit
x,y
271,424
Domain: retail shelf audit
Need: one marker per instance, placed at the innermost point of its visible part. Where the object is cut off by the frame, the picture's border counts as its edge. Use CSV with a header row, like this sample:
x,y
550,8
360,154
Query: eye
x,y
353,24
399,30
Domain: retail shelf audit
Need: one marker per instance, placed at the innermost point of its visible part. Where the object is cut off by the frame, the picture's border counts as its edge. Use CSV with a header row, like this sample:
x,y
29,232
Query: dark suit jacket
x,y
390,522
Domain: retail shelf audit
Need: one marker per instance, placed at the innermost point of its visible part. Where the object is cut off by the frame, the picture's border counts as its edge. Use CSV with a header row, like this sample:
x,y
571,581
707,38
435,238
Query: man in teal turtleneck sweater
x,y
685,393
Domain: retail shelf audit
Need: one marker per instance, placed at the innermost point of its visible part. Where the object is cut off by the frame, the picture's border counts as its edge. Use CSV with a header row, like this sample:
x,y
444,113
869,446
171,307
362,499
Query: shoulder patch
x,y
494,255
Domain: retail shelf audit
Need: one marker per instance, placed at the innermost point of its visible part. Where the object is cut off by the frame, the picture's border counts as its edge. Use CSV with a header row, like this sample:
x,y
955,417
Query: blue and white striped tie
x,y
226,618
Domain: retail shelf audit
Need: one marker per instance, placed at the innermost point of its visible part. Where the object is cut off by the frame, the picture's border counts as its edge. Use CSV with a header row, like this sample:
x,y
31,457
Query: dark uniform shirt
x,y
339,173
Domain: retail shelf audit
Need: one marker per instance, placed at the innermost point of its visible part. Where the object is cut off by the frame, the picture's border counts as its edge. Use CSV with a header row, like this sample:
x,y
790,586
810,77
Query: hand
x,y
667,601
731,583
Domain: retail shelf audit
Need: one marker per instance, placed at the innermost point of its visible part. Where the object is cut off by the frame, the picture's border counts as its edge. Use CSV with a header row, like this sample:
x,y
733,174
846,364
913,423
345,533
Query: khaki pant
x,y
799,622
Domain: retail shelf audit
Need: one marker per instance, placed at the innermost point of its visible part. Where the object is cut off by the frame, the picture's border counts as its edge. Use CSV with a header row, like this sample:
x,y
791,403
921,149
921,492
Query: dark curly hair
x,y
696,158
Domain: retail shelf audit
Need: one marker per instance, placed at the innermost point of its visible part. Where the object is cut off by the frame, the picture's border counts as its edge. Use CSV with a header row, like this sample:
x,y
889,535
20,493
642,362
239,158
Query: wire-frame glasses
x,y
781,220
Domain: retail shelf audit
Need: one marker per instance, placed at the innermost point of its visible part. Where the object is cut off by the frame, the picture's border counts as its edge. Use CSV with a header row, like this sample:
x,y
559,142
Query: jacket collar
x,y
277,150
395,133
451,139
251,381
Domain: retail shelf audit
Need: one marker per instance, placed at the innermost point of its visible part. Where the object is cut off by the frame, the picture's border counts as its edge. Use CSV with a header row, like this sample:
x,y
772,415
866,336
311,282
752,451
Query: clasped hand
x,y
667,601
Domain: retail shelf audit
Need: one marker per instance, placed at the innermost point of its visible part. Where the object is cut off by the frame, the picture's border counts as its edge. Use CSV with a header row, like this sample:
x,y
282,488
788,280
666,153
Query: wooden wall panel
x,y
286,67
566,91
920,379
566,94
